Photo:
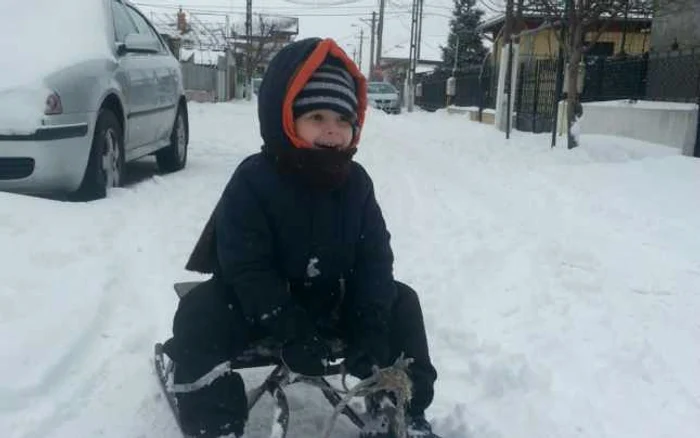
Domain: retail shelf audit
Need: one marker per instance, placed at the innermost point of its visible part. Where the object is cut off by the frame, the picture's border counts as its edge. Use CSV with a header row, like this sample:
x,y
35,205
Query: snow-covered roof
x,y
202,31
497,21
262,24
201,56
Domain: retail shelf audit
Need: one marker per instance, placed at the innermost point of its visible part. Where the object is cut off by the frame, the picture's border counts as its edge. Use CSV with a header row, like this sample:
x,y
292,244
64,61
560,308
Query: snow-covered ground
x,y
561,289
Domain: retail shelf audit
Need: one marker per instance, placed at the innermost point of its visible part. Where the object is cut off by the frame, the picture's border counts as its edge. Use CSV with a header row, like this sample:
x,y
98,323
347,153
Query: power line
x,y
224,12
488,4
175,4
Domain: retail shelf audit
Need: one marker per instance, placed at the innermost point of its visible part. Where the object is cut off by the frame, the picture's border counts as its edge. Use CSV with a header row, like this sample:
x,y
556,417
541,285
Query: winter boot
x,y
219,408
380,419
418,427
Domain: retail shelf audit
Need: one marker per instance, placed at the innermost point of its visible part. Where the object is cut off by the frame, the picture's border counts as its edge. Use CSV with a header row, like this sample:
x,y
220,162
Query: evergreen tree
x,y
464,34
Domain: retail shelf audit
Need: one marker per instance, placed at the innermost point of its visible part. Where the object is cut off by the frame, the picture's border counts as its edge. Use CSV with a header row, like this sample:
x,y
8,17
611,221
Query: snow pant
x,y
209,329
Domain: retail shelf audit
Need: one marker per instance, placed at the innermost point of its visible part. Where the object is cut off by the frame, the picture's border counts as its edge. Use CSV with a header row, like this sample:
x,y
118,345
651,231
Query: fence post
x,y
601,75
557,93
481,93
643,75
536,96
696,153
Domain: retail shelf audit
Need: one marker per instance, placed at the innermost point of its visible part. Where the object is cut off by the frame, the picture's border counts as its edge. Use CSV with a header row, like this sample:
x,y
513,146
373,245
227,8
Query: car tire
x,y
105,168
174,156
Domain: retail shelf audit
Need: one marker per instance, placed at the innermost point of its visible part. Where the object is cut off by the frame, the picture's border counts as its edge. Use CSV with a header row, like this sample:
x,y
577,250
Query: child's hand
x,y
367,353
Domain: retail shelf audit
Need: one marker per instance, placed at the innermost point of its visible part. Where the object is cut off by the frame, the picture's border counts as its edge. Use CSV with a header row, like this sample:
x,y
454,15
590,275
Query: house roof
x,y
385,60
262,24
202,57
496,23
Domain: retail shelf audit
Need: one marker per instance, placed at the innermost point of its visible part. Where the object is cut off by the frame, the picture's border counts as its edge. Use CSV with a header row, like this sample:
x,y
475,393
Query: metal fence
x,y
535,99
432,96
475,87
469,90
201,80
613,79
674,76
670,76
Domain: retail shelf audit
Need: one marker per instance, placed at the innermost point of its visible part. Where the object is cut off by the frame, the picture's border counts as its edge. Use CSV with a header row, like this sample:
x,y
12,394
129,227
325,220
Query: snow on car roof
x,y
41,36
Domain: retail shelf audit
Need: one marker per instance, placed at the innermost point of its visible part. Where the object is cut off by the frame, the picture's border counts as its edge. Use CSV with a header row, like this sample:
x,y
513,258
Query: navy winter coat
x,y
276,238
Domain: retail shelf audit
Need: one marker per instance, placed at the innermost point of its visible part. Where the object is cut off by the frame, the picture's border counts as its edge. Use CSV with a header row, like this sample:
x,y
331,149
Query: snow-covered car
x,y
384,96
85,86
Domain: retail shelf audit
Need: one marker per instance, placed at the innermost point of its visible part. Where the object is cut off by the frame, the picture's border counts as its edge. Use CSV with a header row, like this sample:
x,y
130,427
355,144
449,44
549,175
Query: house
x,y
628,35
199,43
268,35
675,26
205,43
674,62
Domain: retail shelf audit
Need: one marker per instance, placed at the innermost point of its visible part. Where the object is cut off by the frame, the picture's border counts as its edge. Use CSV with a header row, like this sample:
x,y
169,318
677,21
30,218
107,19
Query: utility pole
x,y
227,34
362,43
380,32
454,68
420,29
249,49
559,84
503,97
371,45
413,53
508,39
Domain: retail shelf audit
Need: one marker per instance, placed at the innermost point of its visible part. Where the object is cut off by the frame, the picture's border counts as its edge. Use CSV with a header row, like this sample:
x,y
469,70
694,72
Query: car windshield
x,y
380,88
41,36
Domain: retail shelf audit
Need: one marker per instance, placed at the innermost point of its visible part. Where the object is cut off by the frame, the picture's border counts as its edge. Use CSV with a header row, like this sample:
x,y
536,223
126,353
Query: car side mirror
x,y
137,43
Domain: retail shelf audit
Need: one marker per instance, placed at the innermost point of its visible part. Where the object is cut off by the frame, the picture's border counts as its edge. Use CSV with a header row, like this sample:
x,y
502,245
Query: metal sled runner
x,y
264,354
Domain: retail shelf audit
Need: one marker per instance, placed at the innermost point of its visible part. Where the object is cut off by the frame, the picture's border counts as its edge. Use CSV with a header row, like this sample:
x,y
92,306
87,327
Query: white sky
x,y
340,19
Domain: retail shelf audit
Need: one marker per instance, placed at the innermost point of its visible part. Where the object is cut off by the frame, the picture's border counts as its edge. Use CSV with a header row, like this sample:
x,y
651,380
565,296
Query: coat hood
x,y
286,76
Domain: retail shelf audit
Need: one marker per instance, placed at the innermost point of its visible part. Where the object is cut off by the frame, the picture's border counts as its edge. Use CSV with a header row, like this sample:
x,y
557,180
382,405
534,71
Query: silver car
x,y
384,96
101,88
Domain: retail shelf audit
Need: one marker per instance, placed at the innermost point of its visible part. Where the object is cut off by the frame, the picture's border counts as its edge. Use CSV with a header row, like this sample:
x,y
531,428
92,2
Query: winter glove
x,y
308,356
369,345
303,351
289,322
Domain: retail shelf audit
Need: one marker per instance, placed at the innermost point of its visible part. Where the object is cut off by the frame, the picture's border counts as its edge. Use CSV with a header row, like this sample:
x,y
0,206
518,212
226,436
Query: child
x,y
299,251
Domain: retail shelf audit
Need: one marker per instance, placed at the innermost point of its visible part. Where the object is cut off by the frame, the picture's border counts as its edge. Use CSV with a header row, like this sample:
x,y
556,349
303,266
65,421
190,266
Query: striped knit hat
x,y
330,87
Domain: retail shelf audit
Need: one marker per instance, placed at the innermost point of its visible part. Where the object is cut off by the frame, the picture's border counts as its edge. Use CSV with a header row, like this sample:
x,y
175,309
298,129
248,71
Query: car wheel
x,y
174,156
105,167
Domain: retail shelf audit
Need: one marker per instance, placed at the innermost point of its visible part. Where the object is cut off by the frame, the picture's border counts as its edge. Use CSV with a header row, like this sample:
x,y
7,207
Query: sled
x,y
262,354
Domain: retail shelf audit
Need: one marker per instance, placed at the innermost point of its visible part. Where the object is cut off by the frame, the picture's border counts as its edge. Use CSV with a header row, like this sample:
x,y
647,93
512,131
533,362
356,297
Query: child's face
x,y
324,128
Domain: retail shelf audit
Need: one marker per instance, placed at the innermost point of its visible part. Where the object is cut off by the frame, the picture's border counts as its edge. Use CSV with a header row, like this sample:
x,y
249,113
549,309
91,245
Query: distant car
x,y
384,96
81,98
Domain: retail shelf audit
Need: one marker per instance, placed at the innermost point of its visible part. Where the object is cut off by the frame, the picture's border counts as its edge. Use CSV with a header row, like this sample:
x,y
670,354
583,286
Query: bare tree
x,y
270,34
582,18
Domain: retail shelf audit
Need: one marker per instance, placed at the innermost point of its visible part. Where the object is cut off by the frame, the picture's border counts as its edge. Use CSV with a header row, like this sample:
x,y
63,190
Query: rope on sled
x,y
393,379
